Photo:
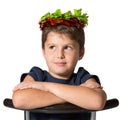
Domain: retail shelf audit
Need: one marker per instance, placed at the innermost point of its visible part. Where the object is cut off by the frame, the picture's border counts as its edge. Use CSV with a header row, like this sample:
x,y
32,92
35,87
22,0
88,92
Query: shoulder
x,y
83,75
35,72
36,69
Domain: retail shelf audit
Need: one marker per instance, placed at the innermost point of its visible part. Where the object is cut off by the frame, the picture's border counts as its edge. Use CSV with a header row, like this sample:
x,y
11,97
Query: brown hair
x,y
74,33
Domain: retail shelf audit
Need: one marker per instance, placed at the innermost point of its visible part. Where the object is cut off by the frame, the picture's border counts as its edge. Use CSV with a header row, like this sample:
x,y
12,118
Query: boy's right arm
x,y
33,98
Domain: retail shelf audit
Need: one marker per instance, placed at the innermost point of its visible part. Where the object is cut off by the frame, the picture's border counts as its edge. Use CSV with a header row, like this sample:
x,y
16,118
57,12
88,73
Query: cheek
x,y
49,56
46,53
73,57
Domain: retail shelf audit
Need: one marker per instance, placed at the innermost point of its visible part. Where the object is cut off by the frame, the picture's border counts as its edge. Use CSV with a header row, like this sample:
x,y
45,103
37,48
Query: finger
x,y
16,88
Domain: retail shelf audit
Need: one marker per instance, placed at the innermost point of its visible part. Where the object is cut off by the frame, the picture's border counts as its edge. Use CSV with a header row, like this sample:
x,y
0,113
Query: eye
x,y
52,47
68,47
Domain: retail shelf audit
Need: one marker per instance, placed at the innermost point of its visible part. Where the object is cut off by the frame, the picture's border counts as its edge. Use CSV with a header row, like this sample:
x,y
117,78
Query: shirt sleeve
x,y
35,72
83,75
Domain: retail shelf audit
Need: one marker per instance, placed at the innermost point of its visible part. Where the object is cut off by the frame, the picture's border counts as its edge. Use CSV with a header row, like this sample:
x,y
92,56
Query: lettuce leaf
x,y
67,15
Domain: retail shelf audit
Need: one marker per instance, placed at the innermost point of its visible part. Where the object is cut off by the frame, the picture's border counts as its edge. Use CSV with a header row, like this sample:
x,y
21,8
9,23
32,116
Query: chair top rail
x,y
63,108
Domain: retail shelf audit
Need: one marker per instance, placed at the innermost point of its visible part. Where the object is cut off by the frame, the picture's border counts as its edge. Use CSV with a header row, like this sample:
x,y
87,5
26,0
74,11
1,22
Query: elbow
x,y
18,101
100,102
99,105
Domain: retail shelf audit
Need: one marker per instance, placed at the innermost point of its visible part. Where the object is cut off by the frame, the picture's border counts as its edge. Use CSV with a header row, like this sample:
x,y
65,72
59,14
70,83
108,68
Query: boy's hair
x,y
74,33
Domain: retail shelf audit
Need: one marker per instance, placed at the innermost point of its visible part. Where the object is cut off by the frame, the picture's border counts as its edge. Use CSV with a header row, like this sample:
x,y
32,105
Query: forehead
x,y
58,37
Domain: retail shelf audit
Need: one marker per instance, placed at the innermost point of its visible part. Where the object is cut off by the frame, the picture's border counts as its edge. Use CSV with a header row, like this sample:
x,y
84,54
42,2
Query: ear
x,y
81,54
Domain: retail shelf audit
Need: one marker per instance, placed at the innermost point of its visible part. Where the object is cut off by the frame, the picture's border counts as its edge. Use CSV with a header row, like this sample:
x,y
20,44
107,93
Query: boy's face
x,y
61,55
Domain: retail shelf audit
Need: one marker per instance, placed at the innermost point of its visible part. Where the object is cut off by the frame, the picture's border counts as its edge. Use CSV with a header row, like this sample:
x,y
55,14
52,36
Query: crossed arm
x,y
31,94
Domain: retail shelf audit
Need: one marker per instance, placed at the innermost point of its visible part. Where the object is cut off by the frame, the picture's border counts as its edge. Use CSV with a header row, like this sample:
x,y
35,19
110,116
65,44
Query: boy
x,y
62,46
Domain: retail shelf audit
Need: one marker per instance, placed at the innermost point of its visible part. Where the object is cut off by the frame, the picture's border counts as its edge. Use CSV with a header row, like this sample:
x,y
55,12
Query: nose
x,y
60,54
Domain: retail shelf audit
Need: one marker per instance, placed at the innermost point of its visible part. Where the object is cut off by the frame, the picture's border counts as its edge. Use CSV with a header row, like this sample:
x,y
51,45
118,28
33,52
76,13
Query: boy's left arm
x,y
89,95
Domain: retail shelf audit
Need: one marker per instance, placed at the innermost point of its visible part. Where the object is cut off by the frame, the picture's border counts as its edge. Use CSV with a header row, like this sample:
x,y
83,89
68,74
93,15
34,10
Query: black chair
x,y
66,109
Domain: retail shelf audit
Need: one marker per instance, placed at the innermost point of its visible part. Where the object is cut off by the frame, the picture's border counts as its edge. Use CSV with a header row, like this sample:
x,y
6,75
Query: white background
x,y
20,45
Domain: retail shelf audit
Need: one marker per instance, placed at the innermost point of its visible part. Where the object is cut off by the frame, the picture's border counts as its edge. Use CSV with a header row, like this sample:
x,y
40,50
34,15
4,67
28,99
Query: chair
x,y
66,108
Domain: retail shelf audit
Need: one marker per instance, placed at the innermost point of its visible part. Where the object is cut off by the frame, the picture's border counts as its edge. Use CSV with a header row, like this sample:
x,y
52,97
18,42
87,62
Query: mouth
x,y
60,63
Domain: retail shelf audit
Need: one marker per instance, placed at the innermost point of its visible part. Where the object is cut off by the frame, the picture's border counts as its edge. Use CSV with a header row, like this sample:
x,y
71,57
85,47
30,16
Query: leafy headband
x,y
78,19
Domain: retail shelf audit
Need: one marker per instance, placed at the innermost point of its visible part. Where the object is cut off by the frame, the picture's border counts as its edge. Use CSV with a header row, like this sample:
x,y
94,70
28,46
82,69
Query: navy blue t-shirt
x,y
78,78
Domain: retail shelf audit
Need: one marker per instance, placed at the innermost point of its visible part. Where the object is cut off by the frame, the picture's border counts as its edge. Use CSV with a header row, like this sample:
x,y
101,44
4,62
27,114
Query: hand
x,y
91,84
23,85
30,84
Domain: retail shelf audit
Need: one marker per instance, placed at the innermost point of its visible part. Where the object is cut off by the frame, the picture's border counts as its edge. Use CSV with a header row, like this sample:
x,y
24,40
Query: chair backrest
x,y
64,116
66,109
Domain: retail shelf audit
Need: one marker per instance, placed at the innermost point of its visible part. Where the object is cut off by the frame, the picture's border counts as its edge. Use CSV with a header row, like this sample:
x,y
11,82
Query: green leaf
x,y
77,13
56,14
47,15
67,15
